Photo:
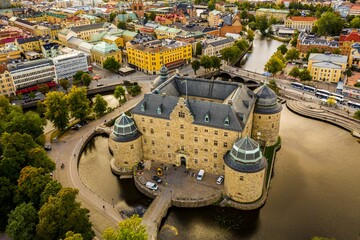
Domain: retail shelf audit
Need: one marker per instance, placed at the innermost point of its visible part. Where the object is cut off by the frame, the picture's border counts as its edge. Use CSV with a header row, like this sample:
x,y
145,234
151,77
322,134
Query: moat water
x,y
314,190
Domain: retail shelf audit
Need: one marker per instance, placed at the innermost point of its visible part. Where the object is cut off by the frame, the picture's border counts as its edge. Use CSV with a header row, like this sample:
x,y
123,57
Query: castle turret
x,y
245,171
125,144
266,119
164,75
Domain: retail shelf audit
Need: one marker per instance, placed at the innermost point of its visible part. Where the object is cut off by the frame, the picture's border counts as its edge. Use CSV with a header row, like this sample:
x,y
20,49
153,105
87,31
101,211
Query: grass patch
x,y
269,153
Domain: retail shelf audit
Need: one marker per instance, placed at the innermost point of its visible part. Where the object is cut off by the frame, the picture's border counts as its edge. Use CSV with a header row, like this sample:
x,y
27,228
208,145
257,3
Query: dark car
x,y
47,147
157,179
76,127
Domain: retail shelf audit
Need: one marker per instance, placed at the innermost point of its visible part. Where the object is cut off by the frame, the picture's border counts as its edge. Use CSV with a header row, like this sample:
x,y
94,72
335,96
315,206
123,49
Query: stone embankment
x,y
326,114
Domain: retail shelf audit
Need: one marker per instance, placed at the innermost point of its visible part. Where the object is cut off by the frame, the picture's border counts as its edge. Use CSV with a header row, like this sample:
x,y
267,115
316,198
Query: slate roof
x,y
15,67
327,65
328,57
234,102
124,129
87,27
266,102
27,40
48,46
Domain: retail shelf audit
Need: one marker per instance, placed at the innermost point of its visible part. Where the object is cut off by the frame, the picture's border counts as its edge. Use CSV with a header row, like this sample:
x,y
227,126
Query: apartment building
x,y
67,65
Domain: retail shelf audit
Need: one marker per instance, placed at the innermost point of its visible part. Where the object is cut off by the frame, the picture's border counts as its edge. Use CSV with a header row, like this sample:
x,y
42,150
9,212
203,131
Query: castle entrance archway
x,y
183,161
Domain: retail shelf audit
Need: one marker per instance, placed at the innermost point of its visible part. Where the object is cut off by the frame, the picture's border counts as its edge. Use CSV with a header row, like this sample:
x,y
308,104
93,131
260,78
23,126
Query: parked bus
x,y
309,89
322,91
337,95
338,99
297,85
353,105
321,95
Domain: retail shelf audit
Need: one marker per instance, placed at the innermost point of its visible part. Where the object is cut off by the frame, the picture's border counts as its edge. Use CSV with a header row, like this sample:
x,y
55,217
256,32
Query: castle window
x,y
195,160
132,146
143,119
168,146
182,148
259,117
144,141
215,143
241,178
215,165
144,129
225,134
272,125
223,167
169,155
181,126
205,149
153,151
181,115
195,129
196,139
168,134
205,140
152,142
207,118
143,107
196,151
216,132
227,121
269,117
158,110
206,130
182,136
215,155
151,130
225,144
151,121
205,160
167,124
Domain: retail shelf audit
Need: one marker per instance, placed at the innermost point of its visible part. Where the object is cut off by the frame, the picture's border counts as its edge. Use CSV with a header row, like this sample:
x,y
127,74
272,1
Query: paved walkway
x,y
67,150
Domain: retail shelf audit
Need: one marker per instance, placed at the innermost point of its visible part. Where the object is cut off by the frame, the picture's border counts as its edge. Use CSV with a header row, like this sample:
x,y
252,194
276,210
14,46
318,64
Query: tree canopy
x,y
230,54
195,65
128,229
206,62
22,222
119,93
100,105
292,54
262,24
57,110
274,65
79,104
198,49
295,72
111,64
282,48
330,24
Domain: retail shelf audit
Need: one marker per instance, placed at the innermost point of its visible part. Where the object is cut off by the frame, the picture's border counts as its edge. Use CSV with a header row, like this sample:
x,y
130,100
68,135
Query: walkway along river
x,y
314,190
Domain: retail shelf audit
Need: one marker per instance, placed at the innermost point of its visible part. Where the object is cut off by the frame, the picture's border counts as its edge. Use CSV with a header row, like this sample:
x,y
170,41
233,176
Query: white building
x,y
69,64
212,47
27,74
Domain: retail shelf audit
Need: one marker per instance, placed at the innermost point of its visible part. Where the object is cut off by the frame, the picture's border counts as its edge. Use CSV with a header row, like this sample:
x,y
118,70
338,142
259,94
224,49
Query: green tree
x,y
31,184
242,45
61,214
119,93
282,48
79,104
121,25
195,65
262,24
329,24
64,83
272,84
292,54
112,17
355,22
274,65
206,62
357,114
100,105
111,64
43,88
152,16
295,72
57,109
130,228
305,75
77,78
32,95
250,35
22,222
134,90
73,236
198,49
322,238
7,192
51,189
216,62
230,54
293,41
211,5
86,79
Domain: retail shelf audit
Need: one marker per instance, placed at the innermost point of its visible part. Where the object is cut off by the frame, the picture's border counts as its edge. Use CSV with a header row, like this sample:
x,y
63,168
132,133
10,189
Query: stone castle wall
x,y
244,187
126,154
268,125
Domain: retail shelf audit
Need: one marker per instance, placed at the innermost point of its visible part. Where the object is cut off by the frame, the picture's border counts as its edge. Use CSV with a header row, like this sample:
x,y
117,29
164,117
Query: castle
x,y
201,124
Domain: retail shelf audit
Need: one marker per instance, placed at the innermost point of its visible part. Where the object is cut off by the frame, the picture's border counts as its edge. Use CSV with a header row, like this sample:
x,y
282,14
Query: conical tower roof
x,y
124,129
266,102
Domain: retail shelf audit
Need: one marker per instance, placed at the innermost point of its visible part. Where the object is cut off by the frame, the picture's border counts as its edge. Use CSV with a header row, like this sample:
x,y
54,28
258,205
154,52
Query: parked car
x,y
200,174
47,147
99,84
76,127
152,186
157,179
220,180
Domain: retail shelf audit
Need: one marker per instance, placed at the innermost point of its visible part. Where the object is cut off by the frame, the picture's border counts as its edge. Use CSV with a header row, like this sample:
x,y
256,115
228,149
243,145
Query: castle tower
x,y
125,144
266,119
245,171
164,75
137,7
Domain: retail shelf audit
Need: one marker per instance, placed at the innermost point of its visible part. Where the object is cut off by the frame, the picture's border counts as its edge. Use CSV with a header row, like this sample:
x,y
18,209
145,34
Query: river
x,y
262,50
314,191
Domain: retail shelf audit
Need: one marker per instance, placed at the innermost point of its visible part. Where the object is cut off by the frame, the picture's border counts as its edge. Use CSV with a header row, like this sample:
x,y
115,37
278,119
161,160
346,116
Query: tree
x,y
250,35
22,222
295,72
195,65
134,90
329,24
274,65
262,24
7,192
130,228
100,105
211,5
121,25
31,183
112,17
61,214
331,101
206,62
357,114
216,62
43,89
242,45
355,22
198,49
57,109
119,93
111,64
230,54
282,48
64,83
293,42
86,79
79,104
77,77
305,75
272,84
152,16
51,189
73,236
292,54
32,95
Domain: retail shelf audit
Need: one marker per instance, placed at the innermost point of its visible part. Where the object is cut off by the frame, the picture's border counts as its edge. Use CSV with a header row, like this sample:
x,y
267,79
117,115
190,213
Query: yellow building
x,y
114,39
102,51
55,18
42,31
300,23
6,83
9,52
327,67
29,44
200,124
354,56
150,56
272,13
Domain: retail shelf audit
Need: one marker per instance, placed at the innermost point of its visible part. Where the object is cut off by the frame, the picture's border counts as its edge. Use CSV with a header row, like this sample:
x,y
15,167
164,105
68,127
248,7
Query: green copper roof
x,y
105,48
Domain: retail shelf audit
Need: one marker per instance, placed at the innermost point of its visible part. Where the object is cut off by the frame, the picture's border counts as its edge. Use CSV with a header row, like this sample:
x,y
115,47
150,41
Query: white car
x,y
152,186
220,180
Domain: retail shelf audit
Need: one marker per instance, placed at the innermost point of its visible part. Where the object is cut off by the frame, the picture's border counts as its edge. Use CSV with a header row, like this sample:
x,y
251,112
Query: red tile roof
x,y
300,18
354,36
355,7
